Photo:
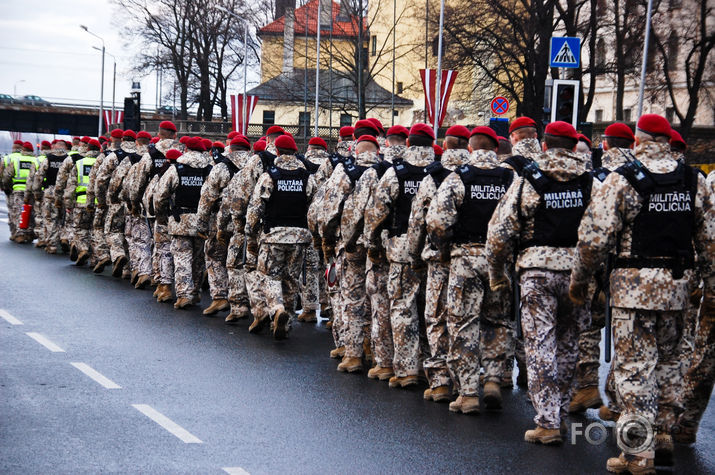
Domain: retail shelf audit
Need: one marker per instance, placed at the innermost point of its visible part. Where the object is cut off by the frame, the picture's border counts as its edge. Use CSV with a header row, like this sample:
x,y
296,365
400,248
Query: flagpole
x,y
245,78
439,69
644,65
317,70
394,33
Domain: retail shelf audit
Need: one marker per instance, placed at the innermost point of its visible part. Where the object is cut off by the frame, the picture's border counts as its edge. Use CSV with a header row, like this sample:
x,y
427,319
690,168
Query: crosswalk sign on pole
x,y
565,52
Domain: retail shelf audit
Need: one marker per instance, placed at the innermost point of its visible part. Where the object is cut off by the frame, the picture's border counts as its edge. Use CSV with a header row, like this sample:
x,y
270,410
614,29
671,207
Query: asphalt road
x,y
226,400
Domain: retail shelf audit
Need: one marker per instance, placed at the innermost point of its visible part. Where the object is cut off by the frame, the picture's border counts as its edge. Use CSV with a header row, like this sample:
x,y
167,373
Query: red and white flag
x,y
16,136
109,120
240,116
429,82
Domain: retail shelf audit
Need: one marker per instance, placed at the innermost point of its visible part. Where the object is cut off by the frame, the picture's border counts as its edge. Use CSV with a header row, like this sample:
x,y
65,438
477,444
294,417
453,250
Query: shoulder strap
x,y
536,177
601,173
638,176
518,162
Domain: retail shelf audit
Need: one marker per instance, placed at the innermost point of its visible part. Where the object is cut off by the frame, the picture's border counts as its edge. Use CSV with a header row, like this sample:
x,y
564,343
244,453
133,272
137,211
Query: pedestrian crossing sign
x,y
565,52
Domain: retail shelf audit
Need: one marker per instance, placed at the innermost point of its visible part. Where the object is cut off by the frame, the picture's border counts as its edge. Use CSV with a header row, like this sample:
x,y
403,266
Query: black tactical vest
x,y
310,166
518,163
562,205
354,171
288,204
482,191
267,159
53,167
438,172
664,226
188,192
158,161
409,178
133,158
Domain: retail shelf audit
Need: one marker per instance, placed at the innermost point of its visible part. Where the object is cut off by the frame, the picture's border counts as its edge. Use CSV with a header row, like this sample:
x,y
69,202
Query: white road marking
x,y
9,318
178,431
96,375
44,341
235,471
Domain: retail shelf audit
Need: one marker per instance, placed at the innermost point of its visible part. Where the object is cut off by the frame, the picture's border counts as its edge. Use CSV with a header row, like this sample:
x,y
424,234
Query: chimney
x,y
282,6
325,14
288,36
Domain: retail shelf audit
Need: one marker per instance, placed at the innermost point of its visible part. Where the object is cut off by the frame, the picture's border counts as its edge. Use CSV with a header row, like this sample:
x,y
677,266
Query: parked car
x,y
6,99
35,101
168,110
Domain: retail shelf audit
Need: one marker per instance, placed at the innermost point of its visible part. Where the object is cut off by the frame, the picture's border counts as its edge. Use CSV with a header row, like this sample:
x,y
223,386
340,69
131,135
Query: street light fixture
x,y
14,88
114,79
101,89
245,64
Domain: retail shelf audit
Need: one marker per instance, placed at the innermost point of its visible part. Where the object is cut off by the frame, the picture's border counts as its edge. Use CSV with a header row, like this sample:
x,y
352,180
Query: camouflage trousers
x,y
12,224
81,228
114,228
383,350
66,226
476,324
162,262
37,220
551,325
336,303
139,237
436,311
14,213
648,371
356,308
280,266
188,254
254,289
698,383
589,353
215,254
310,292
100,249
405,289
237,280
51,220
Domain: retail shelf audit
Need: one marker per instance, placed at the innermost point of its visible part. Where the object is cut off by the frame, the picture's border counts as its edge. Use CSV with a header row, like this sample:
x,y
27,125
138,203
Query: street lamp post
x,y
114,81
245,65
14,88
101,89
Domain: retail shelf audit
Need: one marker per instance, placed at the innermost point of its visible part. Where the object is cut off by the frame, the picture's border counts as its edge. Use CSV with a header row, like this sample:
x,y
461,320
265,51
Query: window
x,y
673,46
600,55
627,115
435,46
269,117
399,87
395,113
599,115
346,120
374,46
670,114
304,123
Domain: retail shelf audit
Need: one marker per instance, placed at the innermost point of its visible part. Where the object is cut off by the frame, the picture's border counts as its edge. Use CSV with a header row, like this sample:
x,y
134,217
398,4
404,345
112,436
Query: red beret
x,y
286,142
75,138
196,144
288,134
677,139
368,138
437,150
366,124
500,138
398,130
28,146
654,124
53,142
117,133
18,142
560,128
619,130
259,146
583,138
68,143
422,129
154,140
521,122
45,143
94,144
207,143
130,134
232,134
218,145
458,131
172,154
377,124
488,131
168,125
84,139
319,142
347,131
144,135
241,140
275,129
184,139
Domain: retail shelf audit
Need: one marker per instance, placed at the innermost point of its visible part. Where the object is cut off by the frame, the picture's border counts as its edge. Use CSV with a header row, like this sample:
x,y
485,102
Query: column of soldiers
x,y
444,264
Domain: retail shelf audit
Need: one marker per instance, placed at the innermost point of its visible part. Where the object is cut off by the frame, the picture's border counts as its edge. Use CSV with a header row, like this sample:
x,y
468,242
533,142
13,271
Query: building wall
x,y
289,114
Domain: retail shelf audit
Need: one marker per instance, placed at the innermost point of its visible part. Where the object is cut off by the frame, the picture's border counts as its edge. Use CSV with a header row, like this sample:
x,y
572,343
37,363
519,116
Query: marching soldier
x,y
79,148
14,177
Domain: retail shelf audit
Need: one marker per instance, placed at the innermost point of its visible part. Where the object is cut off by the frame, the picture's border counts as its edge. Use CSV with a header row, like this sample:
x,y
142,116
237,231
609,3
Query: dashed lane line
x,y
171,426
235,471
9,318
44,341
96,375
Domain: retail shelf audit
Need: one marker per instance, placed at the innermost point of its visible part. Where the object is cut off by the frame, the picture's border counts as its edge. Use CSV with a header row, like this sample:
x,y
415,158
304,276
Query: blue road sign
x,y
565,52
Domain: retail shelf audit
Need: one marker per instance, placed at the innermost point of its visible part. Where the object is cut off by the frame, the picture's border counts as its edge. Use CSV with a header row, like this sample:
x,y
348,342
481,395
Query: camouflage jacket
x,y
615,157
70,195
142,172
106,171
379,207
393,152
257,207
513,219
419,245
212,190
66,169
38,180
165,190
119,184
91,187
607,225
322,159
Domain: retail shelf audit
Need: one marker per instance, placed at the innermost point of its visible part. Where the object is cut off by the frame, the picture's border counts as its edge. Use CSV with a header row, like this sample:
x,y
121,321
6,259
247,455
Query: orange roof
x,y
340,28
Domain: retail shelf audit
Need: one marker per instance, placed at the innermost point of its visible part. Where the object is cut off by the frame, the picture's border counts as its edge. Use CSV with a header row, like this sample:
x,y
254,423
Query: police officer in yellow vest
x,y
6,160
14,178
74,196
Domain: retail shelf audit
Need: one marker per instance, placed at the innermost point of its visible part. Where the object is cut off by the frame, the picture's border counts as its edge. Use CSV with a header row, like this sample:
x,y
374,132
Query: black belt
x,y
676,265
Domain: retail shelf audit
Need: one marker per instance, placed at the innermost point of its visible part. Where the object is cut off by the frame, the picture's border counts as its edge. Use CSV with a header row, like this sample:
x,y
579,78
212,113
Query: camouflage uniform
x,y
81,213
45,194
100,249
114,224
405,285
648,303
186,248
36,204
66,169
422,249
16,198
551,323
281,248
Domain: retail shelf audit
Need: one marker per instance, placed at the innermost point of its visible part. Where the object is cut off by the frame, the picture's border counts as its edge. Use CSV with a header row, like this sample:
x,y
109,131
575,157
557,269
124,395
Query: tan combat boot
x,y
258,324
280,325
142,282
337,353
216,306
456,405
182,303
99,268
350,364
82,258
606,414
492,395
542,435
585,398
164,293
73,249
403,381
381,373
156,291
634,464
40,244
118,266
308,316
134,275
470,405
241,312
65,245
441,394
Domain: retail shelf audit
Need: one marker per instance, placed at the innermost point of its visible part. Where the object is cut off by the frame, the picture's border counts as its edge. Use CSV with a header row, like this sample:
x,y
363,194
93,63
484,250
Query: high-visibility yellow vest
x,y
9,157
84,167
22,164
